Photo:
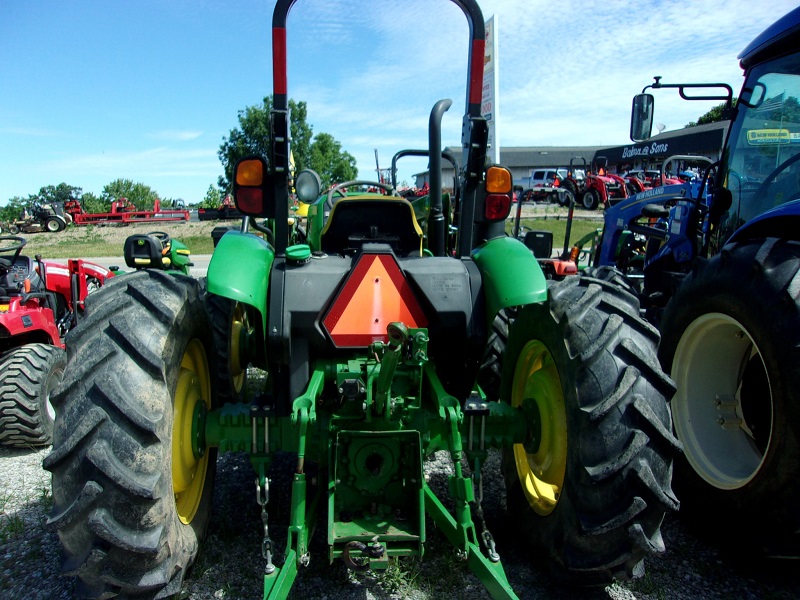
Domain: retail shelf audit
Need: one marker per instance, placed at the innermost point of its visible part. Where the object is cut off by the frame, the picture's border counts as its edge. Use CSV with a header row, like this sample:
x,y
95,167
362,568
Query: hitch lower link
x,y
376,493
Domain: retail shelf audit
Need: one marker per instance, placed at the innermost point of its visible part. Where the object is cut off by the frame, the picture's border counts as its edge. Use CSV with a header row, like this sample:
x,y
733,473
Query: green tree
x,y
213,197
712,116
93,204
333,164
58,193
141,195
13,208
252,137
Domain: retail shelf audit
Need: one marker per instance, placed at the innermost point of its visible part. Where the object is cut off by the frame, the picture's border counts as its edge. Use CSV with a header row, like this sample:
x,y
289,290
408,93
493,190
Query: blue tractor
x,y
716,265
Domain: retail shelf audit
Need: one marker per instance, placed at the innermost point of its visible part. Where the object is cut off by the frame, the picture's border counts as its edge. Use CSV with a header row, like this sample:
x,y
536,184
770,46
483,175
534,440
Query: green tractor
x,y
385,339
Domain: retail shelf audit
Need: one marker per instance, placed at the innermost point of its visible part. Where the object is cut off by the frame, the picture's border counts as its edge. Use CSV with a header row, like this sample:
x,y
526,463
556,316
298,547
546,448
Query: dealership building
x,y
700,140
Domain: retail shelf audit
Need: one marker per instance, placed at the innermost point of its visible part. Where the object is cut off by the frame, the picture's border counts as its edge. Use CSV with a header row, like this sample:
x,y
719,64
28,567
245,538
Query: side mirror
x,y
642,117
308,186
252,189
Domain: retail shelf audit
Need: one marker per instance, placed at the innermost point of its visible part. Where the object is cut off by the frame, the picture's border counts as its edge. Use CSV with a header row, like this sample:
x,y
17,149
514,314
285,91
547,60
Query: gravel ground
x,y
229,565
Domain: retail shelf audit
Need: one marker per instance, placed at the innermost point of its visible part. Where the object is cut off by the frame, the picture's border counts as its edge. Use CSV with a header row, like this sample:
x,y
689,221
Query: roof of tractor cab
x,y
777,39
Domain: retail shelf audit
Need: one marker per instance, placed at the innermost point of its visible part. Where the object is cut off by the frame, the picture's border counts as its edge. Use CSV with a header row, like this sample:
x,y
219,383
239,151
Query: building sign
x,y
489,99
653,149
757,137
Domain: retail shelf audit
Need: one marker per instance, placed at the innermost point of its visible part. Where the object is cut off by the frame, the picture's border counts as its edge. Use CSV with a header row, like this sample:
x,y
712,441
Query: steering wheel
x,y
8,244
339,190
161,236
770,179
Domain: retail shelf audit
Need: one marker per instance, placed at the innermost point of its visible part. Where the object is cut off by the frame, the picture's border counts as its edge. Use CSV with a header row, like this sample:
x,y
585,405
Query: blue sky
x,y
93,91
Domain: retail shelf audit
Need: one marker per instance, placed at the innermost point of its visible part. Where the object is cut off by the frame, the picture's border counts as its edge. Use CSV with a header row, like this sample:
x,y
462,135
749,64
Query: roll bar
x,y
474,130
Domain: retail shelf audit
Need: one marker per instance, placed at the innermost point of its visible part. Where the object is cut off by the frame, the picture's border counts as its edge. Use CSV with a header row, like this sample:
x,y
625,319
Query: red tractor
x,y
39,302
593,188
645,179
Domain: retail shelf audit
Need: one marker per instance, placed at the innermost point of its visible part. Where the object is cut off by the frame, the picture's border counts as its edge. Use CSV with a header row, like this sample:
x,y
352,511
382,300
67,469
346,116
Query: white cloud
x,y
153,162
174,135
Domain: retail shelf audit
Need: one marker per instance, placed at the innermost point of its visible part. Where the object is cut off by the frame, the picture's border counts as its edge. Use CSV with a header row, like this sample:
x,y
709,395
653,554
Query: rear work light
x,y
497,205
375,294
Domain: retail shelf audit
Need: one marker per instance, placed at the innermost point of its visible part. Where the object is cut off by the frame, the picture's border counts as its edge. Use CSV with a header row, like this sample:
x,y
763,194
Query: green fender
x,y
511,275
239,270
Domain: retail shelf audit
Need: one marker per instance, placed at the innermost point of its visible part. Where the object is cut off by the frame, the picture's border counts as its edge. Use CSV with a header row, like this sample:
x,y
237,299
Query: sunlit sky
x,y
145,90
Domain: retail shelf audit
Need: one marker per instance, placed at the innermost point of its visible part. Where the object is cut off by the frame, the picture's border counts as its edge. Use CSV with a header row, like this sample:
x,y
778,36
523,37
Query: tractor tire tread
x,y
113,503
26,375
617,487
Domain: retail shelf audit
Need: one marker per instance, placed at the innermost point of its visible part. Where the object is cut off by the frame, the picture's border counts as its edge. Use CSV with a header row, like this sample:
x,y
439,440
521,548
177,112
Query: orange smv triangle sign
x,y
374,295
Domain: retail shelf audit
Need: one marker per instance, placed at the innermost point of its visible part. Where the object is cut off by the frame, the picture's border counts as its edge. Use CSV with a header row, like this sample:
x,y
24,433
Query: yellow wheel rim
x,y
541,470
239,327
189,471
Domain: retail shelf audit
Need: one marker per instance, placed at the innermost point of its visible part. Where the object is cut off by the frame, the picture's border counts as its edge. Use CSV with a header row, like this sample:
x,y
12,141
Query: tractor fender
x,y
510,273
780,222
35,322
239,270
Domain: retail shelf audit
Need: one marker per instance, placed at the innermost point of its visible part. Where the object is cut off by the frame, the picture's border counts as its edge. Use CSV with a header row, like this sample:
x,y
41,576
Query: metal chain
x,y
262,497
486,536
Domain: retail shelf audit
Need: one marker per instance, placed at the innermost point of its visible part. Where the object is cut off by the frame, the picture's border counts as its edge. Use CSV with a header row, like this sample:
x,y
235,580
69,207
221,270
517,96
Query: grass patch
x,y
10,526
91,241
558,227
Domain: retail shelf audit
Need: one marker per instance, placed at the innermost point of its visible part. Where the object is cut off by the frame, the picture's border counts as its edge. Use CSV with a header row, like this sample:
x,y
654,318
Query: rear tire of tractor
x,y
28,375
590,199
228,323
131,496
490,374
614,276
731,339
591,496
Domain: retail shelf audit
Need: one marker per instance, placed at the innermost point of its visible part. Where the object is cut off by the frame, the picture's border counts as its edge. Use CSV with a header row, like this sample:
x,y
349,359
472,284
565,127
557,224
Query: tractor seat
x,y
143,251
355,221
540,243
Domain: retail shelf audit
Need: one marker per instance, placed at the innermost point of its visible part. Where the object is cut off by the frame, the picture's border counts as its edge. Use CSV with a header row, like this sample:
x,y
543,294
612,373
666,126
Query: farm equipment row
x,y
124,212
392,329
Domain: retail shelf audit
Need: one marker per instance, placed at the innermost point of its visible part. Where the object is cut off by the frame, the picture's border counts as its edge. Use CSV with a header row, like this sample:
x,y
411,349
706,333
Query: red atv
x,y
39,302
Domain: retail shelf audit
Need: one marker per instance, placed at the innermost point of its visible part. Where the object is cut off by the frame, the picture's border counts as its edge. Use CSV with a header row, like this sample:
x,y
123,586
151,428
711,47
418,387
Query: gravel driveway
x,y
229,565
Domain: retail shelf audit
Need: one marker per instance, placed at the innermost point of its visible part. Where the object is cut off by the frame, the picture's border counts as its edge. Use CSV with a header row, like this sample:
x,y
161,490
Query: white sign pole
x,y
489,102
